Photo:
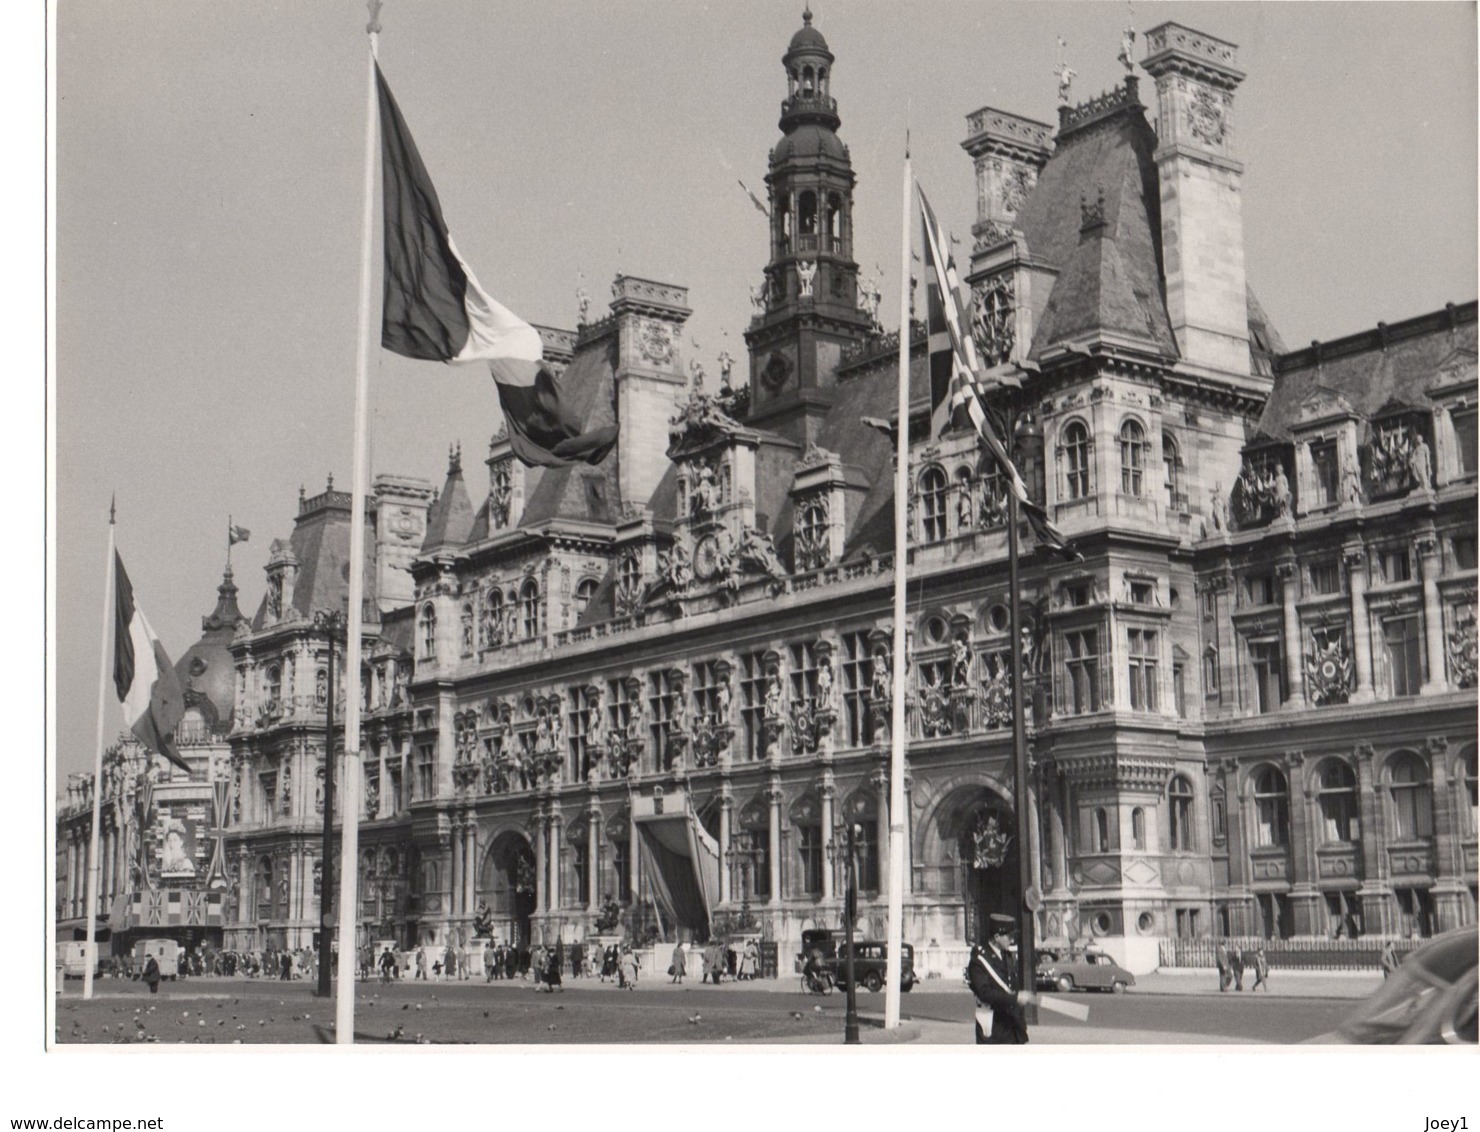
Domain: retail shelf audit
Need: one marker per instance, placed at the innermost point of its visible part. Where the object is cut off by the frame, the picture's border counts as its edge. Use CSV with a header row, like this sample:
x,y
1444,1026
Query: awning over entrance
x,y
681,861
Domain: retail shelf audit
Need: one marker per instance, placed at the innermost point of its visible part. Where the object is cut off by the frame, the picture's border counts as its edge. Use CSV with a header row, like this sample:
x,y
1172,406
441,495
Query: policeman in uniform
x,y
992,974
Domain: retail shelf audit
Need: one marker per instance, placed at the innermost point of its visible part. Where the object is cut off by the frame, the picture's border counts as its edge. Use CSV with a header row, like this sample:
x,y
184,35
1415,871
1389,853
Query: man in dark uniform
x,y
993,978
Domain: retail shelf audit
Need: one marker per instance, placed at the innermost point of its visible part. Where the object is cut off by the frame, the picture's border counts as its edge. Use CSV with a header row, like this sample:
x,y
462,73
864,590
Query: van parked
x,y
166,953
73,956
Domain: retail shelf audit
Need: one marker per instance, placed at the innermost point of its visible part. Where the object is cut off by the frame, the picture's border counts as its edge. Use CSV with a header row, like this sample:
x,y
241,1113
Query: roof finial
x,y
113,509
454,458
331,482
1064,72
807,16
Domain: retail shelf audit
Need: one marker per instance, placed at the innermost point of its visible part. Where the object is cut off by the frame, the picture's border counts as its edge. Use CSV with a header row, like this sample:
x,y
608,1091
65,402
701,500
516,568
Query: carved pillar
x,y
541,880
825,793
880,782
556,859
454,901
1294,653
1355,559
1057,807
726,804
593,840
470,869
1238,841
1433,617
1309,914
1448,893
774,796
1374,892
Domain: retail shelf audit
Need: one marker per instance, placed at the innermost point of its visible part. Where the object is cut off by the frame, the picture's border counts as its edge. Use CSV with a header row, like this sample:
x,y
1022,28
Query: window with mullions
x,y
1325,472
1395,565
803,673
1169,471
1336,798
1271,809
1082,671
493,618
1132,458
662,695
1269,688
1404,655
933,492
993,503
585,591
578,724
1412,798
706,691
810,854
621,870
426,771
1464,422
857,673
529,608
1075,456
1143,668
428,623
752,706
1325,576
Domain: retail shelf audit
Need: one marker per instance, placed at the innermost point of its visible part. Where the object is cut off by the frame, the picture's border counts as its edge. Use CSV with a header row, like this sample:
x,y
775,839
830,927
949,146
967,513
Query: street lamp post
x,y
850,913
329,623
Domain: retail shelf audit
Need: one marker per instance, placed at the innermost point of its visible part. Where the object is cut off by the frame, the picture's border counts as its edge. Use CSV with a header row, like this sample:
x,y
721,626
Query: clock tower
x,y
807,308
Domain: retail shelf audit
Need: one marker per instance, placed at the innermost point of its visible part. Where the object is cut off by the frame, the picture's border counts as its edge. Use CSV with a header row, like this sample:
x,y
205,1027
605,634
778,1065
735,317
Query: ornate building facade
x,y
1252,703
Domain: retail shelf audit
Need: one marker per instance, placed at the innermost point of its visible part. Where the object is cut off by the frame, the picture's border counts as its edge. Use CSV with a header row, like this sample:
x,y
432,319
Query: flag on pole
x,y
153,700
956,378
238,534
755,200
434,309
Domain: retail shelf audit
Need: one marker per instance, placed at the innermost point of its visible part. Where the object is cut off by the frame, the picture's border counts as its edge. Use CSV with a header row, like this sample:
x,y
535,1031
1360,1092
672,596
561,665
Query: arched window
x,y
493,618
274,684
428,624
1075,452
807,214
1179,797
529,607
807,82
1336,795
993,512
465,625
1138,828
1413,811
965,501
585,591
1271,808
834,219
1102,830
933,504
1169,468
1468,773
1132,458
812,544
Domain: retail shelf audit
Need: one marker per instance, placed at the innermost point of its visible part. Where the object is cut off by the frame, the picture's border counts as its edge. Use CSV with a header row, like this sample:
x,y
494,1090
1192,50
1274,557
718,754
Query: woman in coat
x,y
677,967
151,974
630,967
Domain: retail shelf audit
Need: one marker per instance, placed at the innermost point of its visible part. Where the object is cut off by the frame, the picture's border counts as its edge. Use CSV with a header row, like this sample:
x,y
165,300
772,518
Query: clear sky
x,y
208,199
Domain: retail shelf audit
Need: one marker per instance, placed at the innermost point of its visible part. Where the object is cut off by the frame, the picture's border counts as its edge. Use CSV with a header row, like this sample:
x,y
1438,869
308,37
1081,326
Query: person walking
x,y
1225,972
1260,966
1236,964
1388,961
678,966
449,962
993,978
630,967
421,962
554,962
151,974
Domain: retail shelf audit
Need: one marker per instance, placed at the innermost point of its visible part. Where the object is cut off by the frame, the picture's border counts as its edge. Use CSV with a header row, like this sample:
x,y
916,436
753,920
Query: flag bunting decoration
x,y
434,309
153,699
956,379
238,534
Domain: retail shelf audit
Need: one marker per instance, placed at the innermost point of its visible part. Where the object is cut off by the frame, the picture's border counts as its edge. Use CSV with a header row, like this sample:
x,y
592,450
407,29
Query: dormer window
x,y
933,489
1143,593
1132,458
1075,453
1463,421
428,626
1326,473
529,608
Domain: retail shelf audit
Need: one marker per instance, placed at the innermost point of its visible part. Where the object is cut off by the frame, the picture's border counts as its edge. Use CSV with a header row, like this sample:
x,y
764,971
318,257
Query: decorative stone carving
x,y
1328,667
992,321
701,421
675,567
996,692
502,496
935,718
1261,493
655,341
806,274
1206,116
1460,646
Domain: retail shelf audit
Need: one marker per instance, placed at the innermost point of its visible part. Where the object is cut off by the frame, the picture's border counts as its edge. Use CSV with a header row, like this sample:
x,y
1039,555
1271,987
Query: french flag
x,y
153,699
434,309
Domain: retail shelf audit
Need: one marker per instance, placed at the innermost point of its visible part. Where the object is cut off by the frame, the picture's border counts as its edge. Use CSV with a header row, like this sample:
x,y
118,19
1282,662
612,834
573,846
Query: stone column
x,y
382,808
1374,892
1057,808
593,837
774,796
556,859
1307,906
1433,617
726,804
880,782
826,793
1355,559
541,881
1294,652
470,868
455,893
1448,892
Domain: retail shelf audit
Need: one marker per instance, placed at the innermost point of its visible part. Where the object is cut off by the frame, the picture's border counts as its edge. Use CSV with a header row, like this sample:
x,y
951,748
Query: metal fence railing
x,y
1290,954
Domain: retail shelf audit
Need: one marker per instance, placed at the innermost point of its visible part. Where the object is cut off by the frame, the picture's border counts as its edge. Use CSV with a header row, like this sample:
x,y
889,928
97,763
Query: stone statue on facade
x,y
806,273
960,664
1420,463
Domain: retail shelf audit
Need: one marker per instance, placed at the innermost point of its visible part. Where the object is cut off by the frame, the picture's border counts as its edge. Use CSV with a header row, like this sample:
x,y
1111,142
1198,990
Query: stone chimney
x,y
649,377
1202,225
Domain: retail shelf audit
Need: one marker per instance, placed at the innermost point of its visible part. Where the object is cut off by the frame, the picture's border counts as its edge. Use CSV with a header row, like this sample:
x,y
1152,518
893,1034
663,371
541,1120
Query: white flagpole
x,y
349,778
93,864
897,815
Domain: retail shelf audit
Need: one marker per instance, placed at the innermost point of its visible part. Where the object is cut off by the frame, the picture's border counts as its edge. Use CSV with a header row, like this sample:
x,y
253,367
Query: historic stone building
x,y
1252,702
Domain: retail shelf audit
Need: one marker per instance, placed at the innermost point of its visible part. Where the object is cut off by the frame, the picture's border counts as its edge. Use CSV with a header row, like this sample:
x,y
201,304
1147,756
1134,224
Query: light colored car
x,y
1090,969
1431,999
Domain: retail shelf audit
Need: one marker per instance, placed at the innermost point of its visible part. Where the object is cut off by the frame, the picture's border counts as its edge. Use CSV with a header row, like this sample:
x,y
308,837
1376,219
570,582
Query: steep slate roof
x,y
1110,277
450,520
1366,372
320,542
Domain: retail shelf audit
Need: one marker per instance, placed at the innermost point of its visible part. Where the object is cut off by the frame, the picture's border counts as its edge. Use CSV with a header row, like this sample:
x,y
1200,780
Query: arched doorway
x,y
979,827
508,883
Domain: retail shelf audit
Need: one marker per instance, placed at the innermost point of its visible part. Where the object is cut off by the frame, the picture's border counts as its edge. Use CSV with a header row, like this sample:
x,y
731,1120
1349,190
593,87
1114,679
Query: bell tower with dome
x,y
807,309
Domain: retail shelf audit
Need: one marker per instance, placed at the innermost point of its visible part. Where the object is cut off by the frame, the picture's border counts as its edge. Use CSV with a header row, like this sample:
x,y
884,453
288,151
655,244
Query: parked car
x,y
870,962
1090,969
1431,999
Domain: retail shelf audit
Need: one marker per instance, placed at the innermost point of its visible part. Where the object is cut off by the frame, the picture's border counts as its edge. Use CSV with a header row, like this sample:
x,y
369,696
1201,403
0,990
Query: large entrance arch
x,y
507,881
974,827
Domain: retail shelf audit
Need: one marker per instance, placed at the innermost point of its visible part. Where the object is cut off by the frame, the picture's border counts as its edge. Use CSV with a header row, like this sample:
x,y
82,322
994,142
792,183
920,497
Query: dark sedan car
x,y
1431,999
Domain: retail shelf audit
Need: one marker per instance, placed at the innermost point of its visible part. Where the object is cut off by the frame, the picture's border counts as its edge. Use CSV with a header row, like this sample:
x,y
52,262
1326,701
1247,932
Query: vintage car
x,y
870,961
1090,969
1431,999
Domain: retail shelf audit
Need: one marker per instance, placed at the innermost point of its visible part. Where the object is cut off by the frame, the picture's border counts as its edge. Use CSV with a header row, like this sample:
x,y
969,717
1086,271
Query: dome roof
x,y
808,38
810,141
205,670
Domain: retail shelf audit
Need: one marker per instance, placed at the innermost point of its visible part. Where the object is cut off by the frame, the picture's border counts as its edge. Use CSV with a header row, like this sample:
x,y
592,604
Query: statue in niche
x,y
1351,481
1218,508
1281,492
960,663
883,682
1420,463
824,685
806,273
773,697
722,702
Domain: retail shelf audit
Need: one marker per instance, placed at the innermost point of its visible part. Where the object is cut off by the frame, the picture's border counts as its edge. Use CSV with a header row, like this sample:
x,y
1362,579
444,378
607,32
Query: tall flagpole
x,y
349,780
94,866
895,935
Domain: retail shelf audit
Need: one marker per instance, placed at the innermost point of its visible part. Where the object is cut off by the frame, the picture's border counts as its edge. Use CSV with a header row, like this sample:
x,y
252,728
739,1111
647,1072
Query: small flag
x,y
434,309
956,381
239,534
153,700
755,200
